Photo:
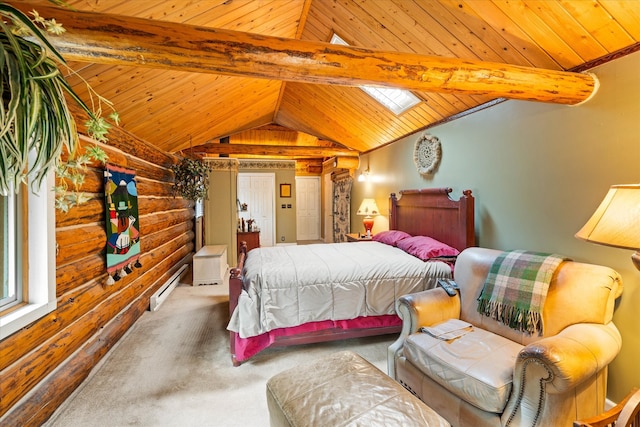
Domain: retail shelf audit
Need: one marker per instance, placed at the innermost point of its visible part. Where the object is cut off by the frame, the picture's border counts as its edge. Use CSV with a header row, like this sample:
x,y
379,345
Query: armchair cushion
x,y
477,367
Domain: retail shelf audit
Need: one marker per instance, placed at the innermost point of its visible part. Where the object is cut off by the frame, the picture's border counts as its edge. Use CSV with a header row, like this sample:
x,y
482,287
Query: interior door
x,y
257,190
308,207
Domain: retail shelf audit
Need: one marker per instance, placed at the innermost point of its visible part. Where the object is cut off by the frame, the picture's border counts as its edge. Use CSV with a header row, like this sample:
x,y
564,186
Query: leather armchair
x,y
498,376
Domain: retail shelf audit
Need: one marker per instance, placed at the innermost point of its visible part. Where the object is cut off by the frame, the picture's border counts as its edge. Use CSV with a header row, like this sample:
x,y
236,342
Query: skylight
x,y
396,100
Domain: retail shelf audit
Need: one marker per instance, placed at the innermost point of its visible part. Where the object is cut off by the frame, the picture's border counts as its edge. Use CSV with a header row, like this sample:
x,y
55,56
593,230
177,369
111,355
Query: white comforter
x,y
291,285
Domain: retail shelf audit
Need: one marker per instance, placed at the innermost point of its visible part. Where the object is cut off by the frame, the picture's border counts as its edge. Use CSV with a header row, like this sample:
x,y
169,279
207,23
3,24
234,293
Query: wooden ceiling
x,y
177,110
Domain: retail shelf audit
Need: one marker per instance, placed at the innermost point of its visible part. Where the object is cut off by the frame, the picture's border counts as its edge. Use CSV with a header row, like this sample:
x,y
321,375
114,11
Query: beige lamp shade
x,y
368,207
616,222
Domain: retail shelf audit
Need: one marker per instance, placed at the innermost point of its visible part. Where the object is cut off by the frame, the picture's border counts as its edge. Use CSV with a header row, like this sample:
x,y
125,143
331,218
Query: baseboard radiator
x,y
161,294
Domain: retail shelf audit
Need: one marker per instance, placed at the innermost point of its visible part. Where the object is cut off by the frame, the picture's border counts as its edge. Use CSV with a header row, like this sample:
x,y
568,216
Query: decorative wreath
x,y
427,154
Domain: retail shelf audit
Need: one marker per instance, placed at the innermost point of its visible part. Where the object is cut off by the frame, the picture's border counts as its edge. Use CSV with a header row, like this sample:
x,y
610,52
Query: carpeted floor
x,y
173,369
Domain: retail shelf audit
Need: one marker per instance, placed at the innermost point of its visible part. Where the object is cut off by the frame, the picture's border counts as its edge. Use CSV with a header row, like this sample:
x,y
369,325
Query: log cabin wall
x,y
41,365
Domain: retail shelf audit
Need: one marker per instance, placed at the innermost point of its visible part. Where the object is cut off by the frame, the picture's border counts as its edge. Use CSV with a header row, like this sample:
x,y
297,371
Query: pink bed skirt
x,y
248,347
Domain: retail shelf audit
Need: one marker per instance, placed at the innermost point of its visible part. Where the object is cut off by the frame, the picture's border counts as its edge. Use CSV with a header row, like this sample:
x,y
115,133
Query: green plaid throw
x,y
516,287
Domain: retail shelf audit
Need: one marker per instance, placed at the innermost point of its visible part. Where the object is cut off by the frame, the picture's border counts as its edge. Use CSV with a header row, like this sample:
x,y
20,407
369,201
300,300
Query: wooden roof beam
x,y
274,150
115,39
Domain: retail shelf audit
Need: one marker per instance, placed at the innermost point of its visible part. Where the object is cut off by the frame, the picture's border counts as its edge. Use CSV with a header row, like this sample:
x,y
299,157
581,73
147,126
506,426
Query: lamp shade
x,y
616,222
368,207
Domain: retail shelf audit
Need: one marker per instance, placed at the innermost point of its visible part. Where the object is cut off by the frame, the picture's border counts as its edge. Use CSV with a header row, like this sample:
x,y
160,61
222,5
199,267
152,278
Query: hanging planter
x,y
191,179
34,113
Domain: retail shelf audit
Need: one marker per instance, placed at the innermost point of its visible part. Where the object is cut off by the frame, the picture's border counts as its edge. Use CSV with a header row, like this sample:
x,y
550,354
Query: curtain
x,y
341,206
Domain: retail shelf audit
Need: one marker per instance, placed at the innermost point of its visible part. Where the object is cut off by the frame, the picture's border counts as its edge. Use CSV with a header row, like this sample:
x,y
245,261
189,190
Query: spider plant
x,y
191,179
34,113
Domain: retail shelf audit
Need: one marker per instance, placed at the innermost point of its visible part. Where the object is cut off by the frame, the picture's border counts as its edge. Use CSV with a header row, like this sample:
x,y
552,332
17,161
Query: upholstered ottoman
x,y
343,390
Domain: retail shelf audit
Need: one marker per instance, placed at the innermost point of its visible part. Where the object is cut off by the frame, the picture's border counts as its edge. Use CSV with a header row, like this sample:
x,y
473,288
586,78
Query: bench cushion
x,y
343,390
477,367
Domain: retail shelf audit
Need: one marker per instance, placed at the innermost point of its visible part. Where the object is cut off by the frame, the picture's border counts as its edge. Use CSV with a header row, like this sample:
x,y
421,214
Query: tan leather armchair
x,y
497,376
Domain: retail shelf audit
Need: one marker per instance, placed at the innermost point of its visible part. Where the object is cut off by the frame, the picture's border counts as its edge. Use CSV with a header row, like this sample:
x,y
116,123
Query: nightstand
x,y
251,237
356,237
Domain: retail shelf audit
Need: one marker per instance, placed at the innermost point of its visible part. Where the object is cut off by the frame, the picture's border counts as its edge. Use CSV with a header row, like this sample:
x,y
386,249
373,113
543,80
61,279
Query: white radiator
x,y
158,298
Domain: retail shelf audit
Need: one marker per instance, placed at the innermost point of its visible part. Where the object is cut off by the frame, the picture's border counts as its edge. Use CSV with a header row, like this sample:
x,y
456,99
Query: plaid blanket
x,y
516,288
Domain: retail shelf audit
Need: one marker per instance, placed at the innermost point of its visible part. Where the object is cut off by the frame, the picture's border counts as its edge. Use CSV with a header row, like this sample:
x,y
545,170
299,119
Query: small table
x,y
251,237
357,237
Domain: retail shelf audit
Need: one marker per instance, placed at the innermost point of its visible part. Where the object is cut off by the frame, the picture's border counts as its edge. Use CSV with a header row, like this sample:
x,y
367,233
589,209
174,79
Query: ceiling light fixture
x,y
364,176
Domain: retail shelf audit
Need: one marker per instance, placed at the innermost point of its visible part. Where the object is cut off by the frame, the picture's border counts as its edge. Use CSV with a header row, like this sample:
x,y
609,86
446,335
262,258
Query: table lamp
x,y
368,207
616,222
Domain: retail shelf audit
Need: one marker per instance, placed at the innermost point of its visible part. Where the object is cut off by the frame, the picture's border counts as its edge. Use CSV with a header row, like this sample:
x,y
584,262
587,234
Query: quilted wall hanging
x,y
123,237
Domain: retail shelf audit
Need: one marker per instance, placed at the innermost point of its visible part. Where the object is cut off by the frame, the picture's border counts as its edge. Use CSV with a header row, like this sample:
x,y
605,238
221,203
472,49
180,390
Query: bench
x,y
343,390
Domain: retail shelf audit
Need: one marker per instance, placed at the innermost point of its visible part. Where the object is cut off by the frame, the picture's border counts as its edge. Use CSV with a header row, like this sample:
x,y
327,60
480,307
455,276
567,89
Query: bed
x,y
290,295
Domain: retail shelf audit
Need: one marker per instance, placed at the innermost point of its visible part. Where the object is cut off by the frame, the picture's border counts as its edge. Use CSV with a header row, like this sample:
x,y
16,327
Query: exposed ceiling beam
x,y
274,150
115,39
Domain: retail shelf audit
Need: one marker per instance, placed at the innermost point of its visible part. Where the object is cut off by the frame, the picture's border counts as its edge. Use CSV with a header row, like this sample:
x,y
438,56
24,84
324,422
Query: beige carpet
x,y
173,369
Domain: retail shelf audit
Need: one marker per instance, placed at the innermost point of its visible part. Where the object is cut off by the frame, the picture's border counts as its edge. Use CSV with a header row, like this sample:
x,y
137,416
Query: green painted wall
x,y
219,212
538,171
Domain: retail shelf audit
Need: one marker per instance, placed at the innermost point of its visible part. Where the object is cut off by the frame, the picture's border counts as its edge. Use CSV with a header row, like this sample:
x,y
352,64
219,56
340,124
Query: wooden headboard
x,y
431,212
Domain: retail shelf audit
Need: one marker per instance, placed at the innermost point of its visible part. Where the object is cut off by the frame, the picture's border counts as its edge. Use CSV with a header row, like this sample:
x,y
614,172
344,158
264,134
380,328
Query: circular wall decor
x,y
427,154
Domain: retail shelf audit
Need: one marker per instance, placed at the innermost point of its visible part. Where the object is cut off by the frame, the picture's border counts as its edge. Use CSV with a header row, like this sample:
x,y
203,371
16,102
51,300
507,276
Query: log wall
x,y
41,365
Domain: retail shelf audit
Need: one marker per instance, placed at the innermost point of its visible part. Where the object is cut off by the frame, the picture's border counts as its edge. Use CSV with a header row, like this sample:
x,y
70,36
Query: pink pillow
x,y
424,247
390,237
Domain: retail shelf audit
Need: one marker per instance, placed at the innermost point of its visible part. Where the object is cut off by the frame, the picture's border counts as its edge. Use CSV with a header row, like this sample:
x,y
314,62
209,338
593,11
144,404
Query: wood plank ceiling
x,y
178,110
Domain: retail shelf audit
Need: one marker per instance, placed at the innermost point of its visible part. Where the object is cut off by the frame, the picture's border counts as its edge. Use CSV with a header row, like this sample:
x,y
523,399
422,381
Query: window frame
x,y
36,267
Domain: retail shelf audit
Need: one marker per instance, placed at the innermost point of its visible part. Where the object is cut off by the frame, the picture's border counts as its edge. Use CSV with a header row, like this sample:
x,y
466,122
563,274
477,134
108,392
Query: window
x,y
28,257
10,292
396,100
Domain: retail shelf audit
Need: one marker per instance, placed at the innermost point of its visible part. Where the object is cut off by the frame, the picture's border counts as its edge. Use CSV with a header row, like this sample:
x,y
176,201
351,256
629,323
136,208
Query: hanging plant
x,y
34,113
191,179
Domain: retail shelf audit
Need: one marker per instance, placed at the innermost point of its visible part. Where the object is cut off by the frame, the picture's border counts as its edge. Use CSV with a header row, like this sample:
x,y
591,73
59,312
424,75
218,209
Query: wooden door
x,y
308,207
257,190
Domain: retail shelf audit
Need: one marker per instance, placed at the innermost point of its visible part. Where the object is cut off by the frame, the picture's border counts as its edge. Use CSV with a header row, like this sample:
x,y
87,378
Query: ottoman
x,y
343,390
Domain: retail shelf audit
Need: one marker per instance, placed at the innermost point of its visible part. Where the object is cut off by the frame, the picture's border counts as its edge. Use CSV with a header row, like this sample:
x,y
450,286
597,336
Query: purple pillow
x,y
390,237
424,247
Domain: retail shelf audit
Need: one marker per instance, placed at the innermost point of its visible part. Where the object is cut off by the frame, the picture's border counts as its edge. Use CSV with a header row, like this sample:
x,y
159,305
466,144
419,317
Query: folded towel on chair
x,y
516,288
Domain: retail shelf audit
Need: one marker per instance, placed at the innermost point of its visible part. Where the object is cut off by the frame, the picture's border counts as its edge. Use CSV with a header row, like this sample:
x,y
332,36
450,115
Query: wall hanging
x,y
427,154
123,237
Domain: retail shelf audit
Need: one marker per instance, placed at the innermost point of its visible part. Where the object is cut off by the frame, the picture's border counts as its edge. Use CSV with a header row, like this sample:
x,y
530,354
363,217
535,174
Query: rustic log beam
x,y
290,151
94,237
114,147
346,163
308,167
121,40
94,208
